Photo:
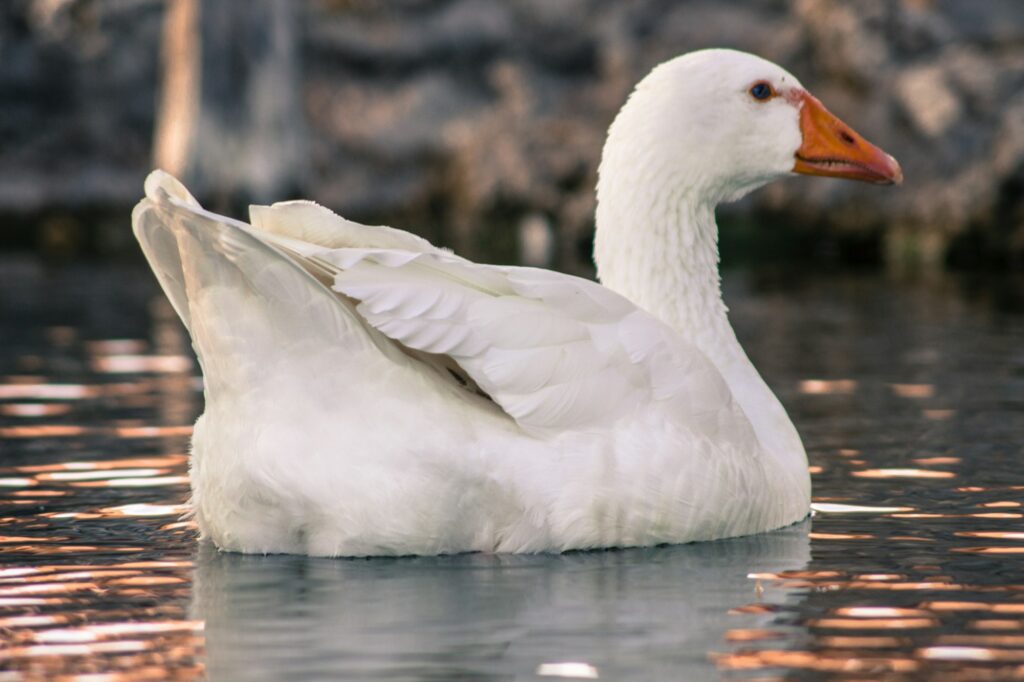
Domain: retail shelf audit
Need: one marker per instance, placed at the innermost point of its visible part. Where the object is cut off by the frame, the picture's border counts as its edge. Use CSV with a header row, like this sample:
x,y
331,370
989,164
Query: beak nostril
x,y
846,137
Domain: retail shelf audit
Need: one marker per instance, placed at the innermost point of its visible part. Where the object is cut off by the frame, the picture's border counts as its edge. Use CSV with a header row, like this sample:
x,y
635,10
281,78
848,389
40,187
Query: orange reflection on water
x,y
181,525
142,509
140,364
31,601
152,431
156,461
147,580
1007,504
828,386
823,580
45,588
6,573
902,473
91,574
880,612
916,391
32,621
38,390
874,623
61,549
927,461
809,660
71,515
6,539
938,415
840,536
116,346
74,611
42,431
956,653
156,564
903,586
996,624
111,630
17,482
955,606
836,508
118,646
70,430
1008,608
133,388
154,481
100,474
33,410
992,534
861,642
752,635
796,575
753,608
971,653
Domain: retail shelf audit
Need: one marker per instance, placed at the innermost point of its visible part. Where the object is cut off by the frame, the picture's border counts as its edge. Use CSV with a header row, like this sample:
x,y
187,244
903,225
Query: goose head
x,y
699,130
719,123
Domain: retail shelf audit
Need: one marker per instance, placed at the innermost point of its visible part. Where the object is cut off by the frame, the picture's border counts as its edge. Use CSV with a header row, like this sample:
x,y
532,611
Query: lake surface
x,y
910,399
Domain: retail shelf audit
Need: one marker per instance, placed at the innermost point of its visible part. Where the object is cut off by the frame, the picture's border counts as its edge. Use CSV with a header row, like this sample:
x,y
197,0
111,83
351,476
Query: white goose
x,y
370,394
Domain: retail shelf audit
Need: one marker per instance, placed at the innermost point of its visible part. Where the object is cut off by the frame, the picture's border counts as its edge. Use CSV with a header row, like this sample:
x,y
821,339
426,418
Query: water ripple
x,y
909,569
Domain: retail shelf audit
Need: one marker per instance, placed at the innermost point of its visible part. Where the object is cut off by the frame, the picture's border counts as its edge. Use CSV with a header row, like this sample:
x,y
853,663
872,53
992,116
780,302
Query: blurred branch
x,y
230,120
178,104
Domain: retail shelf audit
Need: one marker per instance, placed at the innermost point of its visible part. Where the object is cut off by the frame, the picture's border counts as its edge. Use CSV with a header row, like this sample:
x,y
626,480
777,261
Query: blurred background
x,y
479,124
889,322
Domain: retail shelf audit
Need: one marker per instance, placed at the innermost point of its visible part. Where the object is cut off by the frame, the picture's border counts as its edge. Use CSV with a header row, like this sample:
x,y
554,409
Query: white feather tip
x,y
160,183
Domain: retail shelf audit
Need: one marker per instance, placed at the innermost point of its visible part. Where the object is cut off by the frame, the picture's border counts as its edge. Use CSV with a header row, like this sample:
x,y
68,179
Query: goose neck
x,y
663,256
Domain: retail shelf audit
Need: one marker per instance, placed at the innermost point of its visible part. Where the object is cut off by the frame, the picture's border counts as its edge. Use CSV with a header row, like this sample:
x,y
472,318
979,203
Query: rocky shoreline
x,y
481,122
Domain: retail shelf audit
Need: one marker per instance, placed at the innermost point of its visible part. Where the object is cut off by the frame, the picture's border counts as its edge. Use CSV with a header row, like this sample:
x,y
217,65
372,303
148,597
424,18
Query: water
x,y
910,399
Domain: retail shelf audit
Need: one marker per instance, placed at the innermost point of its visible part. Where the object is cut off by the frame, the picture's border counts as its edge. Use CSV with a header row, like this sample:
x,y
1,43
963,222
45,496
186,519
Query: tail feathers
x,y
158,242
244,301
161,184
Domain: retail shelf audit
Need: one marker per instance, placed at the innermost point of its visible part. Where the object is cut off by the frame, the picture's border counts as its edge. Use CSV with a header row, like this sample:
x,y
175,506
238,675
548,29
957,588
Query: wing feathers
x,y
309,222
555,352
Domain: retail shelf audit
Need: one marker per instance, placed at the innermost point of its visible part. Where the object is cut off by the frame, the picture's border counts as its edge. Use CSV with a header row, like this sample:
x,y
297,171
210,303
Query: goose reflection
x,y
652,612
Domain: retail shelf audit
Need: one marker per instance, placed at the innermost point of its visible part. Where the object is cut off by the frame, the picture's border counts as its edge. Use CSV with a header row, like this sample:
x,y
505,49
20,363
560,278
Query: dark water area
x,y
910,399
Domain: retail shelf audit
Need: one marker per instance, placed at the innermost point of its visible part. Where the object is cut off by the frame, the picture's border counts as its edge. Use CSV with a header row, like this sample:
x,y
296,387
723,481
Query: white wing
x,y
555,352
309,222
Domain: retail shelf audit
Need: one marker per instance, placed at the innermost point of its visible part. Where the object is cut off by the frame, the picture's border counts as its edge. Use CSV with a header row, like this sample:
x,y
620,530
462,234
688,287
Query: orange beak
x,y
832,149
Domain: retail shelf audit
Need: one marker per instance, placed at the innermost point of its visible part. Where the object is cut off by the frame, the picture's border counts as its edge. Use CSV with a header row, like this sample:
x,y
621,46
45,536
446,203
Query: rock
x,y
926,96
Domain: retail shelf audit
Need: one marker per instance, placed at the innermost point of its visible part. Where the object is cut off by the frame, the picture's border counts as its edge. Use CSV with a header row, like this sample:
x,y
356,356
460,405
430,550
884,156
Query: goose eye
x,y
761,91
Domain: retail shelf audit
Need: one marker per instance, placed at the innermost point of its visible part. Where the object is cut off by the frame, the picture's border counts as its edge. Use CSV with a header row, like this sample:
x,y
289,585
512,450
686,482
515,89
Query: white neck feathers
x,y
657,245
657,241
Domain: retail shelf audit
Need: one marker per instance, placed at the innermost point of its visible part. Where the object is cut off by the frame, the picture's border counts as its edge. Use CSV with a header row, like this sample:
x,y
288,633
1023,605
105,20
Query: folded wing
x,y
555,352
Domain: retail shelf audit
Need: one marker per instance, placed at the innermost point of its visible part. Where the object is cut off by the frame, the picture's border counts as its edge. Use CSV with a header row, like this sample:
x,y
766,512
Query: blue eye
x,y
761,91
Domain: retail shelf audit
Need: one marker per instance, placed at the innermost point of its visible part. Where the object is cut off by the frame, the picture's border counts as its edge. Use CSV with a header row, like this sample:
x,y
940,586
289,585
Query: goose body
x,y
370,394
